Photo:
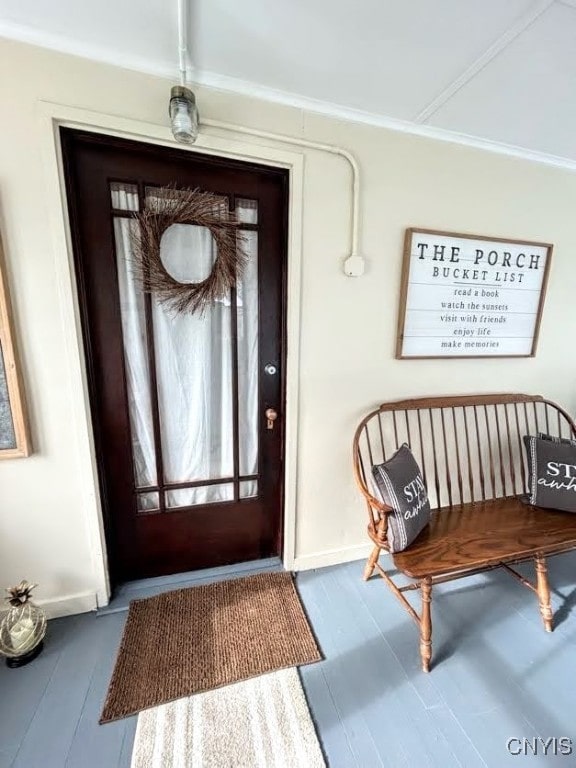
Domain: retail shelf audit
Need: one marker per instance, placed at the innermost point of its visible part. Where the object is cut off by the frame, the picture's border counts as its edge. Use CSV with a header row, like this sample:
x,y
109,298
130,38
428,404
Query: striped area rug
x,y
263,722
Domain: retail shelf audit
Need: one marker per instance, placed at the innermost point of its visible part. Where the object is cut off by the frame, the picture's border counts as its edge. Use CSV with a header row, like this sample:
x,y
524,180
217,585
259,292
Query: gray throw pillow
x,y
552,473
400,485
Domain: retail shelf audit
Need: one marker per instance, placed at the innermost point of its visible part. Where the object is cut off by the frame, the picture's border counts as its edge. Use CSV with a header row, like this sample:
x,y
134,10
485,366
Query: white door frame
x,y
52,117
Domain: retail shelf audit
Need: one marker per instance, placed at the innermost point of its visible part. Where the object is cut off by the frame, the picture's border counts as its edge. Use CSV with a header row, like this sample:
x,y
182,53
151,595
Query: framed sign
x,y
14,442
470,296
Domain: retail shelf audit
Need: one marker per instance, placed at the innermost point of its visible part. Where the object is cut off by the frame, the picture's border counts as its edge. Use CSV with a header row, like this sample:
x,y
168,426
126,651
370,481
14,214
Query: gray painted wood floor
x,y
497,675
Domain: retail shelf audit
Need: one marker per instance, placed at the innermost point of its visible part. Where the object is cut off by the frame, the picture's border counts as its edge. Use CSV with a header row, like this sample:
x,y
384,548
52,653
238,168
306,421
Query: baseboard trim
x,y
83,602
331,557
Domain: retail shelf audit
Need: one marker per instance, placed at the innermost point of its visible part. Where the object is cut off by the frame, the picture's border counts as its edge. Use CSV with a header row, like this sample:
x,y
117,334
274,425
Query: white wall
x,y
348,325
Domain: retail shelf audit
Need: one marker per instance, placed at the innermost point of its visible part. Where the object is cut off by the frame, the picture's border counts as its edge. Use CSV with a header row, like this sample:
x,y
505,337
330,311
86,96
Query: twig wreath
x,y
171,206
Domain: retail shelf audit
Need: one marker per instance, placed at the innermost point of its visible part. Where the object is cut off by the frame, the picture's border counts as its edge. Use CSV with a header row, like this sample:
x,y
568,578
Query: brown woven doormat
x,y
197,639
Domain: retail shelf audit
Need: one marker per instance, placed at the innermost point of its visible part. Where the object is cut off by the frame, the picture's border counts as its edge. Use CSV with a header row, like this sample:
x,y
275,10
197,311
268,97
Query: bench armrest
x,y
376,504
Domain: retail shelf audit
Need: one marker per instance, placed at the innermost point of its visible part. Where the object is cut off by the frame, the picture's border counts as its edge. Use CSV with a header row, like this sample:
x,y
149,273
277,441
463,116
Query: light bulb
x,y
183,115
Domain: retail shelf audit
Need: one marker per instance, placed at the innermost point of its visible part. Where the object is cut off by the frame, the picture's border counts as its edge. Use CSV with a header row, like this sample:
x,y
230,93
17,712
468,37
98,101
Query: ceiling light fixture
x,y
183,112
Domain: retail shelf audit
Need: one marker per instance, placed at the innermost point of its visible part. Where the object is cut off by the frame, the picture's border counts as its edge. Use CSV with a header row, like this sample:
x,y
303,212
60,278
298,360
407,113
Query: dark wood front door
x,y
190,472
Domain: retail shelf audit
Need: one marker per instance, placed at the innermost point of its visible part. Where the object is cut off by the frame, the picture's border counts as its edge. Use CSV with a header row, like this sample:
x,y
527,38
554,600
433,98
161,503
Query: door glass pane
x,y
148,502
248,489
193,368
207,494
248,357
124,196
135,357
154,194
247,211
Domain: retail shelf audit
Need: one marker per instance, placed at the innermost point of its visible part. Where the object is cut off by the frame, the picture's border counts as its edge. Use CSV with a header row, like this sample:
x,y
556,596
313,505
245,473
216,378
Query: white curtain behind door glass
x,y
193,370
134,335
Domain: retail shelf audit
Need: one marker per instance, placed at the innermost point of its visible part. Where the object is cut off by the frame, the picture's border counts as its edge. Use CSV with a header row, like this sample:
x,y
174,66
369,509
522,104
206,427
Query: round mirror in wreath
x,y
188,253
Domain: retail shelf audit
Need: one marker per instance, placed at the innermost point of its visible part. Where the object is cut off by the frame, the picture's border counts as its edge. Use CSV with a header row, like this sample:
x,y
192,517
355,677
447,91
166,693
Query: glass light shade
x,y
183,115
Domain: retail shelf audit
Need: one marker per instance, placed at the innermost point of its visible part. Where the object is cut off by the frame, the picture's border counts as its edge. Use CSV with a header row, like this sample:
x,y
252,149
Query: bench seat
x,y
470,536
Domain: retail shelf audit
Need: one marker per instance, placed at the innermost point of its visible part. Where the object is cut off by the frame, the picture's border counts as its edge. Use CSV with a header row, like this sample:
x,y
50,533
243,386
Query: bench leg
x,y
372,560
543,591
426,624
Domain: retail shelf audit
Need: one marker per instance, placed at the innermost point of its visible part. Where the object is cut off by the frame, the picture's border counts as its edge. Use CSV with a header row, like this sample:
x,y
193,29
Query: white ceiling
x,y
498,70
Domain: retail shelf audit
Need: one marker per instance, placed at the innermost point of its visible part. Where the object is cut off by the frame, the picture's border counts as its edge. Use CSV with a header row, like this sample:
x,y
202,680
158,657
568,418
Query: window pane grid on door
x,y
193,494
201,408
193,484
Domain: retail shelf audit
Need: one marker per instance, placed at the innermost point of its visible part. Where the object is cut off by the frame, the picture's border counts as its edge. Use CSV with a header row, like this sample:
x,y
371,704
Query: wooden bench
x,y
472,457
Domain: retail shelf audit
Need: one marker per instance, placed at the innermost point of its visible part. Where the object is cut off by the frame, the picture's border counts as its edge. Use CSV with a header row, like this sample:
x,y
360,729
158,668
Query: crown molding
x,y
249,89
99,53
348,114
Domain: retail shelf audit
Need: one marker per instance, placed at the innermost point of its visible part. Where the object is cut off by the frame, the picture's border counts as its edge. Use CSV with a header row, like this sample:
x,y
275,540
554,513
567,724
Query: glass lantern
x,y
183,114
22,629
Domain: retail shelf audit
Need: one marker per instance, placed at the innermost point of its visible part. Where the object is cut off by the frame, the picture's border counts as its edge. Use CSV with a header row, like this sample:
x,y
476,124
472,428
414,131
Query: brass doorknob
x,y
271,416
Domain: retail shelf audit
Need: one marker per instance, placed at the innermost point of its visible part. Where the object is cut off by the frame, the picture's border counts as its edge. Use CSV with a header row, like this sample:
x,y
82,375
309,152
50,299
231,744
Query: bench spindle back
x,y
469,448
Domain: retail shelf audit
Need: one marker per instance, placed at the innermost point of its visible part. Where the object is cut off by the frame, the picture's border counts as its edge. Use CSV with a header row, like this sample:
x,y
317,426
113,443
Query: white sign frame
x,y
470,296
